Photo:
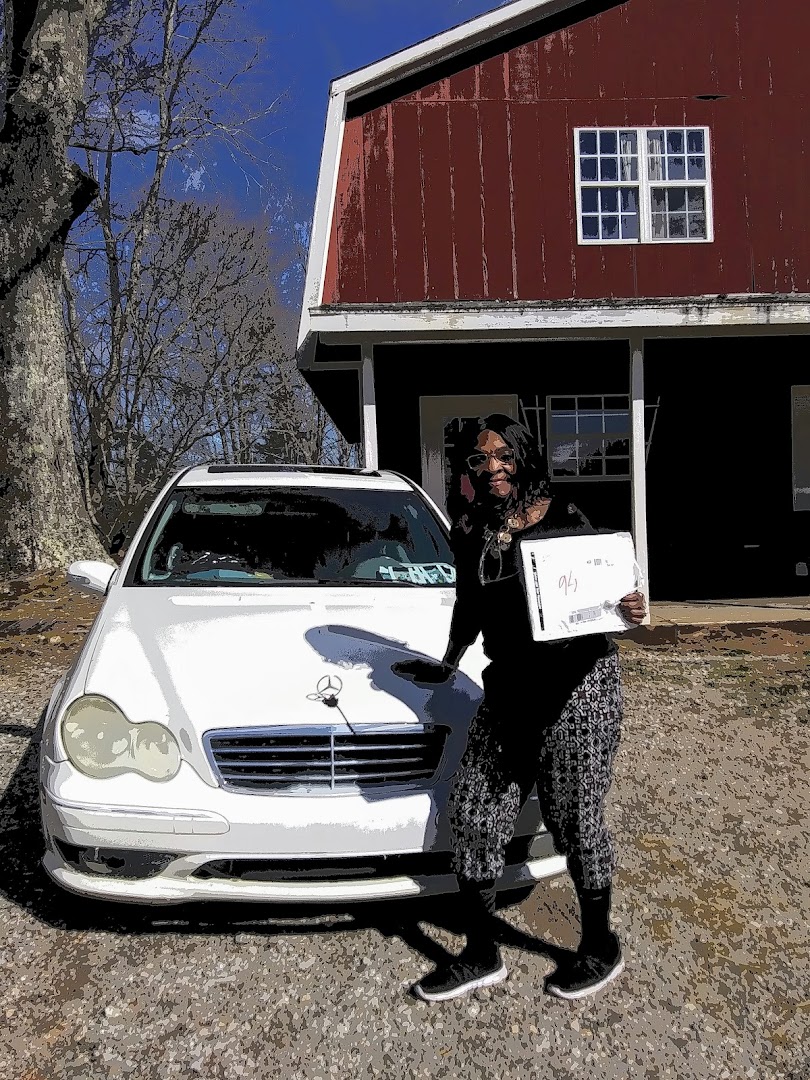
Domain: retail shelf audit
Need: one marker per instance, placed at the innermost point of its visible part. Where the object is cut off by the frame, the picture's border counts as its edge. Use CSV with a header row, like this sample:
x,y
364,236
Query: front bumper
x,y
177,884
325,829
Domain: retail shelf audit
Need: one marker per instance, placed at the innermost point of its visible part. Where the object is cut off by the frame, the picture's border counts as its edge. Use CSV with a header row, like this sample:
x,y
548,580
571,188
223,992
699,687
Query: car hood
x,y
199,660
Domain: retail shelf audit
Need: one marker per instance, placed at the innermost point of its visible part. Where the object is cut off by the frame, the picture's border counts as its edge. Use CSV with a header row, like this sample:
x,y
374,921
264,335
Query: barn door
x,y
443,421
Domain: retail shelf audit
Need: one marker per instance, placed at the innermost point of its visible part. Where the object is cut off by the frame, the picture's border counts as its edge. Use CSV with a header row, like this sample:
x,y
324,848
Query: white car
x,y
232,728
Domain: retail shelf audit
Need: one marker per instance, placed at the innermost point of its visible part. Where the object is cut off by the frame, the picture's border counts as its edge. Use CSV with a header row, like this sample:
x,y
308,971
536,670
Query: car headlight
x,y
101,742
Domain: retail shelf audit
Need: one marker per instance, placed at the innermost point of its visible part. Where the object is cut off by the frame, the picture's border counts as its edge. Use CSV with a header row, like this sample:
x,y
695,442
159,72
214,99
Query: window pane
x,y
589,404
628,142
617,467
629,226
676,168
659,226
562,452
697,168
617,421
590,228
610,200
694,142
659,200
629,198
676,198
607,142
677,226
628,168
588,169
674,142
587,142
590,200
591,466
697,200
590,423
563,423
563,404
697,227
655,147
617,448
609,168
610,228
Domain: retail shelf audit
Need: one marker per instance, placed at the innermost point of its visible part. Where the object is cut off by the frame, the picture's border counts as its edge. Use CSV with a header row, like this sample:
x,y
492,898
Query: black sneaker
x,y
583,975
460,975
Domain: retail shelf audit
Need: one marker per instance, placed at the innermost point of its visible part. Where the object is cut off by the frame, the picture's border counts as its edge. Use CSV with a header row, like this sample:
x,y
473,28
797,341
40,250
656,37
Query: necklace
x,y
514,522
504,537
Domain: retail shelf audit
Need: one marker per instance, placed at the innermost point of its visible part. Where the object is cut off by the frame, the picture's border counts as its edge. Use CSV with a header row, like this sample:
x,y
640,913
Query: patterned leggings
x,y
571,762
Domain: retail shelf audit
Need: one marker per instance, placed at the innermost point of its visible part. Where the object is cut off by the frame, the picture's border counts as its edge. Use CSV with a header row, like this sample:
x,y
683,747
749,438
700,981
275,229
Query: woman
x,y
563,738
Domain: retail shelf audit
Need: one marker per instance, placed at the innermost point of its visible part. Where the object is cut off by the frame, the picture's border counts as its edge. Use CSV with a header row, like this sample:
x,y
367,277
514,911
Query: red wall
x,y
464,190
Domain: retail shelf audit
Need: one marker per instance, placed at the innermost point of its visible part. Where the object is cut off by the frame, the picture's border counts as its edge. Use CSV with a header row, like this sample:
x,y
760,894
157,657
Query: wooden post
x,y
638,455
370,454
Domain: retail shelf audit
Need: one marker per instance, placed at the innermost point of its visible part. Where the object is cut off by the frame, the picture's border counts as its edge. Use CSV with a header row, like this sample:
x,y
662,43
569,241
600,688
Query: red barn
x,y
593,216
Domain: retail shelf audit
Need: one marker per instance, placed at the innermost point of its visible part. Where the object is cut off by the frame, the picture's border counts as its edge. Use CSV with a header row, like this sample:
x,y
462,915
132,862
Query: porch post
x,y
638,456
369,401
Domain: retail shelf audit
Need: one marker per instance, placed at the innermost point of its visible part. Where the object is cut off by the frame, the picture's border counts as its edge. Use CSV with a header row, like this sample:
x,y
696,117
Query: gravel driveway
x,y
712,899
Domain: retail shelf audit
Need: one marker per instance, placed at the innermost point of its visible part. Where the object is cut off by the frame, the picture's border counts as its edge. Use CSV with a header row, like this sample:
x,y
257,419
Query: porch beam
x,y
638,456
730,315
369,401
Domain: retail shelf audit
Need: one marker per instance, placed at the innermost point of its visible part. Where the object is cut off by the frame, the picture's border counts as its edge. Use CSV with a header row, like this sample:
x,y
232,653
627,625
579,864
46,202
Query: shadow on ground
x,y
25,884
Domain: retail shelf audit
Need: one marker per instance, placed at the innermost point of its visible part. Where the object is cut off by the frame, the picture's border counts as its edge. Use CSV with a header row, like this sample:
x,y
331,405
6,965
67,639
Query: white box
x,y
573,584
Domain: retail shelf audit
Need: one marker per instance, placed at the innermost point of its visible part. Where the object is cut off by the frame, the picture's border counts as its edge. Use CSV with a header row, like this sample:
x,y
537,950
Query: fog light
x,y
115,862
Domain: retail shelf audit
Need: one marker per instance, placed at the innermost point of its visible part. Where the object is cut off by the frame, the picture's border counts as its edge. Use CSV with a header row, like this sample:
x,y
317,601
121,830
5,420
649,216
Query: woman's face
x,y
493,464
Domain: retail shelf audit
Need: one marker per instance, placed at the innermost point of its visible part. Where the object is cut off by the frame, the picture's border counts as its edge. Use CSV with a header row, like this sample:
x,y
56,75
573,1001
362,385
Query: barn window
x,y
589,437
643,185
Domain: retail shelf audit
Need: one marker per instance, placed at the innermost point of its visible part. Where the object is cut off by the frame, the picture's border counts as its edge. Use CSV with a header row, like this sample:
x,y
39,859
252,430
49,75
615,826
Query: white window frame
x,y
645,186
552,439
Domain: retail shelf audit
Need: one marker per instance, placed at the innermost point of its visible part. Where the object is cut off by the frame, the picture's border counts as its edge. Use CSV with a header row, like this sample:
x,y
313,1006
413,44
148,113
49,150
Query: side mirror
x,y
91,576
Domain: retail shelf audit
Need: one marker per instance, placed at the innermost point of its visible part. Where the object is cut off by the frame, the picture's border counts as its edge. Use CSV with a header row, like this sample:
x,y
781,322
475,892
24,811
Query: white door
x,y
437,415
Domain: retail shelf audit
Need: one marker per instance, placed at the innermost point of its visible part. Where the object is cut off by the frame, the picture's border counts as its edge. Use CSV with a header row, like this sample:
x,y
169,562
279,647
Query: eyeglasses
x,y
505,456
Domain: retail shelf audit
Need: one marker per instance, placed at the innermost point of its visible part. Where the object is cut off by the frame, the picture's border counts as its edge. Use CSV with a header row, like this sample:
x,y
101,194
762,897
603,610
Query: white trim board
x,y
466,321
451,43
325,196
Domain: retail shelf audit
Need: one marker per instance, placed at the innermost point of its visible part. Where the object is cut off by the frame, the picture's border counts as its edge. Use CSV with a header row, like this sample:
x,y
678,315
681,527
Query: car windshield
x,y
284,536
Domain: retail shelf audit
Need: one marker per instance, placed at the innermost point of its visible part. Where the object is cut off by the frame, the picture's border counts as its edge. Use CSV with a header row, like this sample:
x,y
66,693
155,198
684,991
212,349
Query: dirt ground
x,y
709,811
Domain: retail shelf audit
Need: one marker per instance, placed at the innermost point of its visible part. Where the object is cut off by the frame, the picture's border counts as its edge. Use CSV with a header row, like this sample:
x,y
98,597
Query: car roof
x,y
298,476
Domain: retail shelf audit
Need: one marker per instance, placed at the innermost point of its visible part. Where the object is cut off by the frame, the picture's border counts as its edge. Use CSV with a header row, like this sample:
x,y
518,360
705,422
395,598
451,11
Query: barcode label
x,y
585,615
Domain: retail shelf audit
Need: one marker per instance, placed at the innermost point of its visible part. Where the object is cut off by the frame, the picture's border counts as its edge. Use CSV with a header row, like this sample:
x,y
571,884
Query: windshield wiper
x,y
363,581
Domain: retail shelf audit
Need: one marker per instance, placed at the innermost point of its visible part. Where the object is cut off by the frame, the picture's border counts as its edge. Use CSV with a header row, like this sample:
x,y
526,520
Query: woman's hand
x,y
423,671
633,608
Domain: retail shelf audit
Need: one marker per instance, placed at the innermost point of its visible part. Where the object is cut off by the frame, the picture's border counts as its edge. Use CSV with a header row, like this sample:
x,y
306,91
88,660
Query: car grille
x,y
418,864
326,758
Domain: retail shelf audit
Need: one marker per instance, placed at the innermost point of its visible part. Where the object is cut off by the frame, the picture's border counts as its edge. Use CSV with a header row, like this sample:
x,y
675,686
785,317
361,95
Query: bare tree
x,y
170,304
43,523
194,369
162,301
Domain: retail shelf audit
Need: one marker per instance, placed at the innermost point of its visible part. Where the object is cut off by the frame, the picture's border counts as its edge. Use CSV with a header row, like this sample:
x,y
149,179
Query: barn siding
x,y
464,190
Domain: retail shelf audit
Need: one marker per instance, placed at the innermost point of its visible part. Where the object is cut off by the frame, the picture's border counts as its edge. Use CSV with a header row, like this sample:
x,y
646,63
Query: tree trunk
x,y
42,520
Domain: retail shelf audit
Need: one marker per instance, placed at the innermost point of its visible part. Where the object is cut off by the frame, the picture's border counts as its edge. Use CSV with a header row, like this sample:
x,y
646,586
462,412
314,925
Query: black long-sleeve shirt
x,y
498,610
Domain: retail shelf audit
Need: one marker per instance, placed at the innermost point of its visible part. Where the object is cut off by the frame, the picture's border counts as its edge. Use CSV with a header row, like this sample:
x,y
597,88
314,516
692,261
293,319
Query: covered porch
x,y
650,428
